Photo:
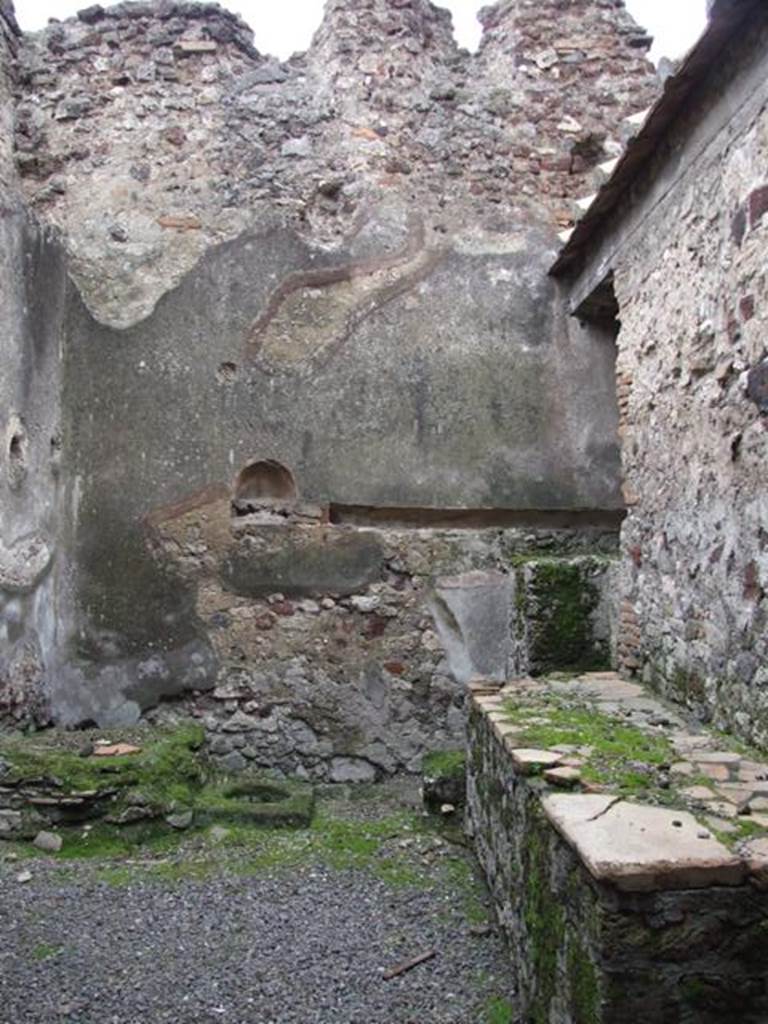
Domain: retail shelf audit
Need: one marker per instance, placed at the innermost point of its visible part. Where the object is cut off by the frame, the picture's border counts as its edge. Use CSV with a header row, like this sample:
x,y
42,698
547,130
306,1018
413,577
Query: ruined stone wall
x,y
337,263
152,131
9,44
690,278
332,660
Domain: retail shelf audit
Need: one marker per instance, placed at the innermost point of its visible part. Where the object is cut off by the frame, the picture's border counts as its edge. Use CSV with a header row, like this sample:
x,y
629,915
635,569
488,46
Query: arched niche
x,y
264,481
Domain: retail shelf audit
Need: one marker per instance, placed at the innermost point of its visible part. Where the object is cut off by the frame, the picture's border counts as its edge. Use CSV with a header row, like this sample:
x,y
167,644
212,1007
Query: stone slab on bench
x,y
639,848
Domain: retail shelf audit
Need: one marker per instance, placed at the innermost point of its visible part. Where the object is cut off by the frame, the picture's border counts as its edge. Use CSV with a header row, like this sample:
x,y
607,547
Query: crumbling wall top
x,y
154,129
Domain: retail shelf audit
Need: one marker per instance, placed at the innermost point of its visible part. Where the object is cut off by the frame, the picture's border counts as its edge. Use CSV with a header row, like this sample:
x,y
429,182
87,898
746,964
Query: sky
x,y
283,28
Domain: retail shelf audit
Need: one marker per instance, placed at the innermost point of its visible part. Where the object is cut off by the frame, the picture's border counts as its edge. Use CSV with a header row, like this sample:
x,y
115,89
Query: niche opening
x,y
266,483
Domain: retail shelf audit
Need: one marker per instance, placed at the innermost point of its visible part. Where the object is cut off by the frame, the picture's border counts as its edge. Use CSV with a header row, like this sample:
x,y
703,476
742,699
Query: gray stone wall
x,y
690,280
9,44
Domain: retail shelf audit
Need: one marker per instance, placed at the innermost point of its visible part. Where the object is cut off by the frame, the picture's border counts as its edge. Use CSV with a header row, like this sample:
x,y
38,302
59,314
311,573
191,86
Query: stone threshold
x,y
701,820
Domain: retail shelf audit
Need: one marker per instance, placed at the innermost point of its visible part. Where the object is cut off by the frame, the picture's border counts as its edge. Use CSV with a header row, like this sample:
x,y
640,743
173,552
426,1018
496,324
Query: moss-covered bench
x,y
627,852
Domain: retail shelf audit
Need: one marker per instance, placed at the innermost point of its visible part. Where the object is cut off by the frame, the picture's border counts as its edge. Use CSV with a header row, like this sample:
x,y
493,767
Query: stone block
x,y
190,47
48,842
533,762
257,799
566,777
11,824
303,562
472,615
351,769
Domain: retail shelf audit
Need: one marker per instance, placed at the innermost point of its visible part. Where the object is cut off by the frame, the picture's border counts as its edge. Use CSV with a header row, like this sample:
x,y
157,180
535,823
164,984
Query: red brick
x,y
758,205
747,307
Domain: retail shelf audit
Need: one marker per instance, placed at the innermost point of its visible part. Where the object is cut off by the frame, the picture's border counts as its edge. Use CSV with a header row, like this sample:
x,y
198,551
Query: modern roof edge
x,y
726,17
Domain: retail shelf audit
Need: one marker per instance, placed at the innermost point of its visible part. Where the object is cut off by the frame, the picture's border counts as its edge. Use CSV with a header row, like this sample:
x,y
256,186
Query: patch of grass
x,y
745,830
440,763
730,742
336,842
103,841
466,883
182,870
116,876
498,1011
44,951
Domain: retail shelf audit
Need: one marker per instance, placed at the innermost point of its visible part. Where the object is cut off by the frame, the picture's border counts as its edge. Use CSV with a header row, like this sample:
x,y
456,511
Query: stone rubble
x,y
360,680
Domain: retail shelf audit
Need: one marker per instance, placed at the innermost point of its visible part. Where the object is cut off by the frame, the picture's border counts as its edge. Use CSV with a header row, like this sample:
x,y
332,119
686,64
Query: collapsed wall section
x,y
152,131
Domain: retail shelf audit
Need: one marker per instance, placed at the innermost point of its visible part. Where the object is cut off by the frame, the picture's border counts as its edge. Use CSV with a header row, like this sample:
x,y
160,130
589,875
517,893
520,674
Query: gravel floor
x,y
309,946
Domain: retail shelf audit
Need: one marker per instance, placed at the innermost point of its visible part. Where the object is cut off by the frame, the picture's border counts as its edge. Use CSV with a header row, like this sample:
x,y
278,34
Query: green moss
x,y
168,774
614,744
687,687
561,633
166,770
258,801
116,876
444,763
544,922
103,841
498,1011
390,848
695,992
744,829
464,881
584,986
